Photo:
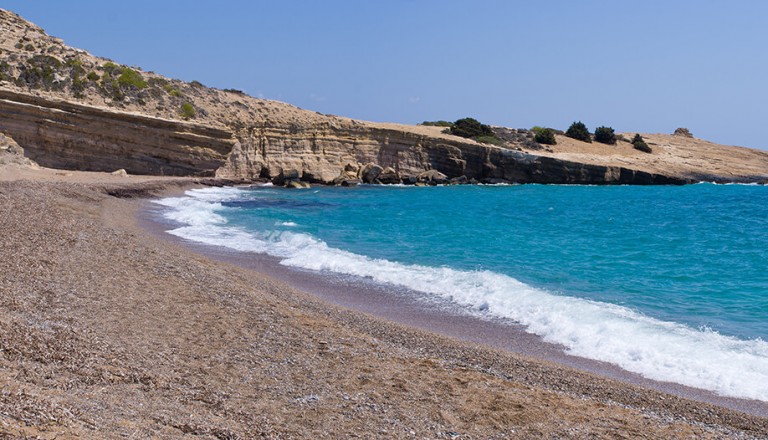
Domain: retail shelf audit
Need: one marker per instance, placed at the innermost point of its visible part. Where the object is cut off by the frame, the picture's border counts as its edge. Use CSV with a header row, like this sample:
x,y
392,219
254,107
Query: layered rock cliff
x,y
72,136
70,109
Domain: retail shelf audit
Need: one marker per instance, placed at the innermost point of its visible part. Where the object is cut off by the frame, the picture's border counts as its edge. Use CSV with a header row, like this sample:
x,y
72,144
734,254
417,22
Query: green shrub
x,y
493,140
470,128
109,66
40,71
578,131
131,78
605,135
437,123
93,76
187,111
544,135
639,143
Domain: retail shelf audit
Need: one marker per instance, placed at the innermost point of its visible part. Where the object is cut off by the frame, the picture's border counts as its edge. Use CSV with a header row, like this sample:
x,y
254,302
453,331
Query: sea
x,y
669,282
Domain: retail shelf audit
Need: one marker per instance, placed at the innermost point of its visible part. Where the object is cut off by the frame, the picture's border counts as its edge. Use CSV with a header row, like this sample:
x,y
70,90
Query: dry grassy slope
x,y
276,136
689,158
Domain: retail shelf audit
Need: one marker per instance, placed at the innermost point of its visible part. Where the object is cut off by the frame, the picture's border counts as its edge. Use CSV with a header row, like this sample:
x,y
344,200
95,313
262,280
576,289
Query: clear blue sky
x,y
647,66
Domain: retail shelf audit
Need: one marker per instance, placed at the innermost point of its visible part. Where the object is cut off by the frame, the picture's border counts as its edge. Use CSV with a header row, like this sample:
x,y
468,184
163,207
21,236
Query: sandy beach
x,y
109,330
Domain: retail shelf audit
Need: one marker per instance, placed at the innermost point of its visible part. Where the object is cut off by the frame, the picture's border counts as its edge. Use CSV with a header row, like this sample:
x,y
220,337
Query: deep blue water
x,y
681,270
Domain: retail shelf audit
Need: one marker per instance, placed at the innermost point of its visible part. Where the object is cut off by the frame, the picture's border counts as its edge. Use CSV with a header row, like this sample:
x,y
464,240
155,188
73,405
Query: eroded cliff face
x,y
67,135
322,154
59,134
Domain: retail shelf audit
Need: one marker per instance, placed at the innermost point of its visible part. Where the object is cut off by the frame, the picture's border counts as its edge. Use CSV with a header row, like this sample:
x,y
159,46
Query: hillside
x,y
72,110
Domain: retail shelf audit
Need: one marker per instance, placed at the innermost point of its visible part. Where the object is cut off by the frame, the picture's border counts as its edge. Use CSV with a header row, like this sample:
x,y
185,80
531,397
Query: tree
x,y
470,128
605,135
578,131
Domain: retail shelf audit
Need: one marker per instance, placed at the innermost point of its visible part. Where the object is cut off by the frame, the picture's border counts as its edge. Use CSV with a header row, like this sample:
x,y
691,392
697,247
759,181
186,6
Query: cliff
x,y
69,109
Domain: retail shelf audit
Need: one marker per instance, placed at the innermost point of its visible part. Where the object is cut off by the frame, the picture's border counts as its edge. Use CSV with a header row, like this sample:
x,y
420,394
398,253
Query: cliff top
x,y
34,63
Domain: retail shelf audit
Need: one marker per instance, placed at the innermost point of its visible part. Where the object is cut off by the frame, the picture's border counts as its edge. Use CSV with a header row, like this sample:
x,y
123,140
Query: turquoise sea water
x,y
668,282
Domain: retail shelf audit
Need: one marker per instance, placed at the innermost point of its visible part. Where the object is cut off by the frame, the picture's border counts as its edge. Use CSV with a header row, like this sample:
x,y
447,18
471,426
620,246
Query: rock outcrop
x,y
59,134
12,154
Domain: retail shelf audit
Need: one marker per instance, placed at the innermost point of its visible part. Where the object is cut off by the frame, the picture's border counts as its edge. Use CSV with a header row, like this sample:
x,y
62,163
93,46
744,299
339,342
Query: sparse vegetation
x,y
29,47
544,135
93,76
109,66
187,111
579,131
493,140
605,135
437,123
131,78
40,72
639,143
236,91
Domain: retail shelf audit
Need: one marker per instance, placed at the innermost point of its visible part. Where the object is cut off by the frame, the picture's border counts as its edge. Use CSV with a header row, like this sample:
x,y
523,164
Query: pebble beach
x,y
107,330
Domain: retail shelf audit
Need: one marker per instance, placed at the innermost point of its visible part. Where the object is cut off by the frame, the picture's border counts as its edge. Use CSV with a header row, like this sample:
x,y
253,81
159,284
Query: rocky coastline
x,y
71,110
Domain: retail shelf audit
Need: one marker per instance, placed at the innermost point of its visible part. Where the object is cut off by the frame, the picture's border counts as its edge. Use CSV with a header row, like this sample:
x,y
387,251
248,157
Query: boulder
x,y
371,172
433,177
351,182
461,180
286,176
121,172
297,184
389,176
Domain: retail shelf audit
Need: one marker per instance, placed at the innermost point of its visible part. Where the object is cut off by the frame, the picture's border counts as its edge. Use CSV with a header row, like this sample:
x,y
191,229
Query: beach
x,y
109,329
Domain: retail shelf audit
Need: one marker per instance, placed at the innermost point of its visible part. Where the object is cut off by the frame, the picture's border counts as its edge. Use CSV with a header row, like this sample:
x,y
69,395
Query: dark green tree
x,y
470,128
605,135
578,131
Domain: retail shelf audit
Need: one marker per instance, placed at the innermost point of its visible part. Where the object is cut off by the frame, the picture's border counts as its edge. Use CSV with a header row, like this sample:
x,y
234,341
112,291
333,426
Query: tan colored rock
x,y
389,177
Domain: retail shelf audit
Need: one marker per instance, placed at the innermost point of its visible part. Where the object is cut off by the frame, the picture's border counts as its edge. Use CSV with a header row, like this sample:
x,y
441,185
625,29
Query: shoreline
x,y
402,306
109,330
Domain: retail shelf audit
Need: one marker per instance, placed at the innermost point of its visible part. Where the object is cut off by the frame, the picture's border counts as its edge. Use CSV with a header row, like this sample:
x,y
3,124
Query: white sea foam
x,y
658,350
289,224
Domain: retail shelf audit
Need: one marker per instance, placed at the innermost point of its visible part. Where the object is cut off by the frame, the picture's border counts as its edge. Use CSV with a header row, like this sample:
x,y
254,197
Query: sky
x,y
647,67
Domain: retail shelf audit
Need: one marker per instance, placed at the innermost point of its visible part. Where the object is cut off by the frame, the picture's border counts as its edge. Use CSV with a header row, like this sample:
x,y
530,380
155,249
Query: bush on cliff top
x,y
579,131
187,111
470,128
131,78
437,123
544,136
639,143
605,135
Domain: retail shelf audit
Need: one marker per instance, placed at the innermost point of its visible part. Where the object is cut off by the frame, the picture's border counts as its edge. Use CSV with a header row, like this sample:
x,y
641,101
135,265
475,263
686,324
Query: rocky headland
x,y
71,110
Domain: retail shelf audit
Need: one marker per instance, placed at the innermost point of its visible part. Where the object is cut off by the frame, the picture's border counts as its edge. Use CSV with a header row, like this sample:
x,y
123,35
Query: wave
x,y
659,350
